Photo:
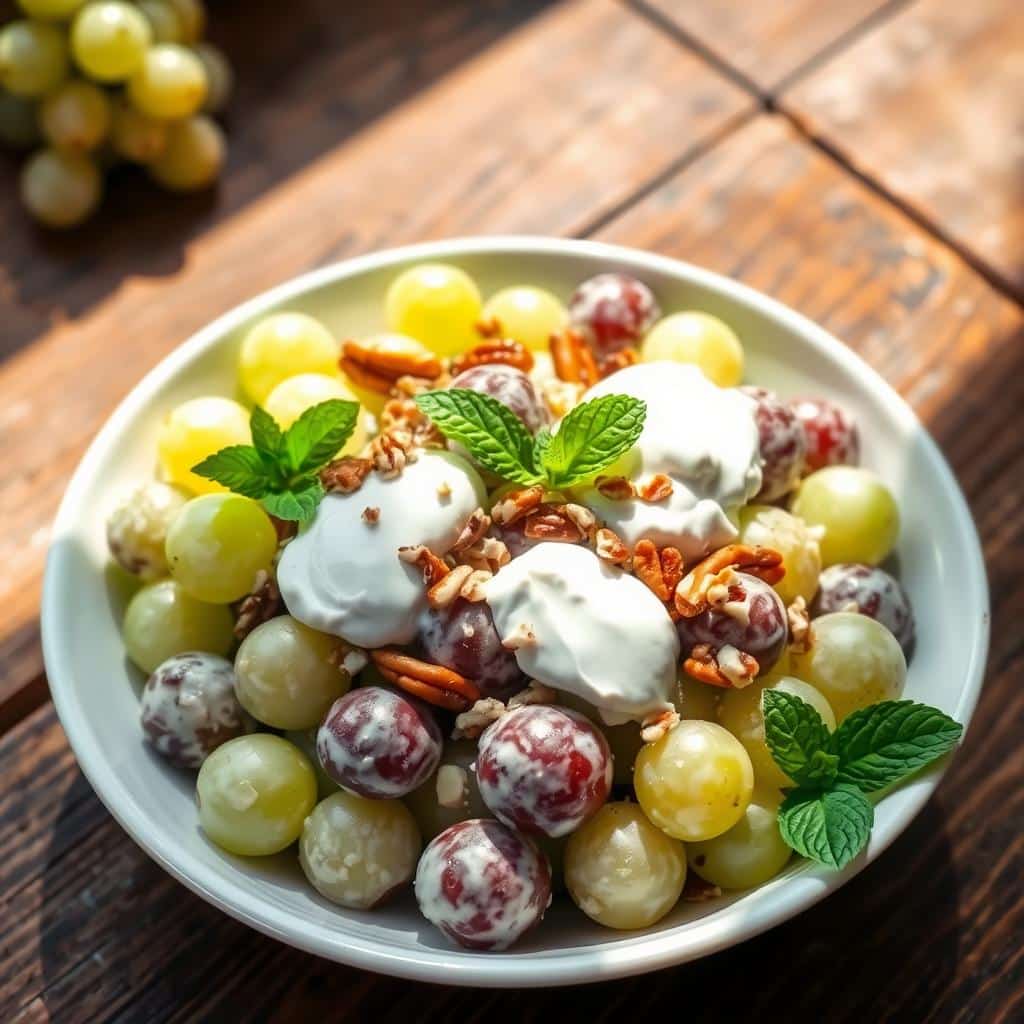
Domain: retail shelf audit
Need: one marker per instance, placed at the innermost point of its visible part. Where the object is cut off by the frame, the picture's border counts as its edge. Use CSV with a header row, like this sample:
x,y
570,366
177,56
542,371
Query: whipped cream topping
x,y
581,625
703,437
343,575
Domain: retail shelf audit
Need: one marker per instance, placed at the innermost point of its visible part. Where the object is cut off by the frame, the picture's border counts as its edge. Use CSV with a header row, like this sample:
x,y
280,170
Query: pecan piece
x,y
390,452
551,522
488,553
615,488
260,605
655,726
728,668
371,515
610,546
517,504
692,592
473,532
433,567
470,723
378,367
572,358
504,351
618,361
799,626
658,488
660,570
345,475
433,683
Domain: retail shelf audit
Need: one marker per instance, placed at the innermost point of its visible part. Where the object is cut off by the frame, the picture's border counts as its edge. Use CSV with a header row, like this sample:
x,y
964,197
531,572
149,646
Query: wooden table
x,y
860,159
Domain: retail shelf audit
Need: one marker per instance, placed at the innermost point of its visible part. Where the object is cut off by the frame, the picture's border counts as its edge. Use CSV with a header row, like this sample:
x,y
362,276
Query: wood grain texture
x,y
936,926
929,105
613,103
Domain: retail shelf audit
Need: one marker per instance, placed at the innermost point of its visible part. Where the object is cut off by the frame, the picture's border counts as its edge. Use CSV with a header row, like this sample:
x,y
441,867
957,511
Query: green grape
x,y
621,871
162,620
695,782
283,345
697,338
293,396
134,135
60,189
288,674
76,116
254,794
19,121
217,544
194,155
772,527
192,431
33,58
853,660
110,39
164,21
50,10
438,305
170,82
528,315
697,700
856,511
219,77
192,16
740,711
749,854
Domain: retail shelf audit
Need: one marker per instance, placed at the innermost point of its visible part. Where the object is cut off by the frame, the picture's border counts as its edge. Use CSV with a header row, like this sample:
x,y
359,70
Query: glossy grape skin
x,y
749,854
135,136
854,661
192,15
284,345
288,676
162,620
254,794
831,434
438,305
217,544
220,79
621,871
695,782
482,884
50,10
857,512
873,592
700,339
163,19
526,314
193,156
509,386
33,58
137,528
60,189
431,816
76,116
742,713
782,444
19,121
294,395
612,311
170,82
775,528
358,852
463,637
192,431
110,40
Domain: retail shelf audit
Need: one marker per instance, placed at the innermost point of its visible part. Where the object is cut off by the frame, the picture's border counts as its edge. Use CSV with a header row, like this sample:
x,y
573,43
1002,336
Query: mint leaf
x,y
266,434
541,443
298,503
240,468
591,437
798,739
491,431
884,743
318,434
830,827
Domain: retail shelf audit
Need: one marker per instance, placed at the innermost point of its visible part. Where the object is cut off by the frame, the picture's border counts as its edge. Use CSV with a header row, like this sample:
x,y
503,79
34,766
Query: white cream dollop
x,y
579,624
343,575
703,437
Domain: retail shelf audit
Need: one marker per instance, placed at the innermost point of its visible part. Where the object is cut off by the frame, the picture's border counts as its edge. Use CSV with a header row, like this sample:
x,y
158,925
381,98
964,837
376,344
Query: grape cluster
x,y
98,82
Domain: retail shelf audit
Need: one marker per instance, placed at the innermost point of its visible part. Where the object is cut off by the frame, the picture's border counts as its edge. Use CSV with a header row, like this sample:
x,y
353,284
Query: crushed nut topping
x,y
692,593
488,553
517,504
345,475
452,786
352,659
573,359
408,386
728,668
371,515
473,532
611,547
503,351
535,693
560,396
402,418
799,626
615,488
660,570
618,361
489,328
472,722
654,727
584,519
521,636
391,452
377,369
444,490
658,488
462,581
432,566
552,522
433,683
260,605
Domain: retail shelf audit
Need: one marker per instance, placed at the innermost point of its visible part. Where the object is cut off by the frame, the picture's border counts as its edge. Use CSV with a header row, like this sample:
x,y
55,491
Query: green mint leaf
x,y
884,743
541,443
240,468
592,437
798,739
830,827
296,504
266,434
318,435
493,433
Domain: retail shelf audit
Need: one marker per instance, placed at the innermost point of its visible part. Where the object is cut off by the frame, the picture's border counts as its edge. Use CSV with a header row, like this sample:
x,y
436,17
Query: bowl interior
x,y
96,690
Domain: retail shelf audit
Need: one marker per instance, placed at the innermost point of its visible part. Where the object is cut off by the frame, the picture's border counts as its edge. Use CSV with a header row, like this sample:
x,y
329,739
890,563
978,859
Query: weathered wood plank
x,y
928,104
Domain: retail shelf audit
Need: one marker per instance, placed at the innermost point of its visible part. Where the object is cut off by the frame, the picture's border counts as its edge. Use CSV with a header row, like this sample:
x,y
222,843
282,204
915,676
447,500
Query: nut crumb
x,y
799,626
654,727
471,723
535,693
452,786
371,515
658,488
610,546
615,488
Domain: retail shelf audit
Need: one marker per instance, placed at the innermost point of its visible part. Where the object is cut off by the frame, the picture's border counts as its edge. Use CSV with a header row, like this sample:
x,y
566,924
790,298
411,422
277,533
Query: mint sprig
x,y
279,469
590,438
828,817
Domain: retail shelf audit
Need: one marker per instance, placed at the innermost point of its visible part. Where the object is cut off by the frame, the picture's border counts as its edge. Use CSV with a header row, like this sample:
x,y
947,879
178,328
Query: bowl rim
x,y
624,954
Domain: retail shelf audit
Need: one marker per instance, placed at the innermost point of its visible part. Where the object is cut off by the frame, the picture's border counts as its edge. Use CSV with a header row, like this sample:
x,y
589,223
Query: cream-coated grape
x,y
193,157
254,794
853,660
217,544
772,527
50,10
870,591
621,871
192,15
33,58
289,674
458,788
284,345
76,116
19,121
612,311
294,395
697,338
749,854
526,314
695,782
60,189
163,20
169,82
857,513
220,79
137,528
192,431
136,136
358,852
110,40
438,305
163,620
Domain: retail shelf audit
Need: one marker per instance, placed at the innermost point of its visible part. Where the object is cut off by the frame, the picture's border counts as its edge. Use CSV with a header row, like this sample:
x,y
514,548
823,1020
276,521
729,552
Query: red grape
x,y
870,591
782,442
508,385
831,434
613,311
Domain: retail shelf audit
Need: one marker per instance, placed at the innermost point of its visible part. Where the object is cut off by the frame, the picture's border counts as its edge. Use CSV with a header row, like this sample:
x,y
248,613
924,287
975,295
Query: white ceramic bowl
x,y
95,691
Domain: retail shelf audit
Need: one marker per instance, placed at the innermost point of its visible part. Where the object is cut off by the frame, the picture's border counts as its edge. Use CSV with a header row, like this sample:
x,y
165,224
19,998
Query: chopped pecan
x,y
728,667
433,683
371,515
692,592
615,488
658,488
488,553
489,328
657,725
584,519
560,396
799,626
452,786
352,659
391,451
377,367
403,419
408,386
552,522
500,350
432,567
473,589
462,581
471,722
660,570
535,693
610,546
572,358
517,504
260,605
473,531
617,361
345,475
